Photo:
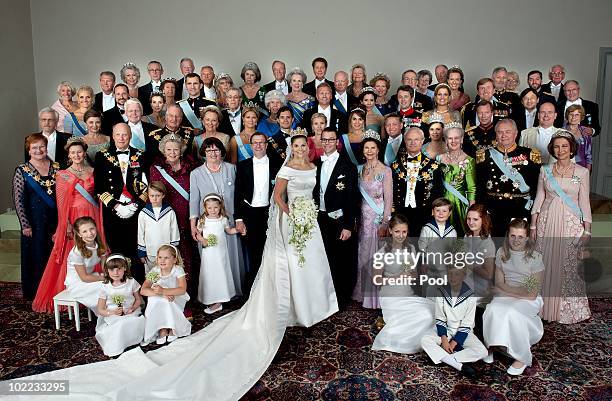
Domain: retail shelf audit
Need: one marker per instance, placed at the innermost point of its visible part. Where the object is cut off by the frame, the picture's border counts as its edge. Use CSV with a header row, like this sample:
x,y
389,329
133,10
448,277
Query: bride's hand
x,y
345,234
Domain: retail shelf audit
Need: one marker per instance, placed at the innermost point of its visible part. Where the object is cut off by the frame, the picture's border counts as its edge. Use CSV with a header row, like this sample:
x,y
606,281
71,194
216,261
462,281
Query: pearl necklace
x,y
559,172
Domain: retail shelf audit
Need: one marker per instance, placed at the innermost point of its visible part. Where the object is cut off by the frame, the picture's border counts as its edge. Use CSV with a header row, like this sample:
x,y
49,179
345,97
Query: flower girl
x,y
82,281
407,316
120,324
511,319
166,289
216,282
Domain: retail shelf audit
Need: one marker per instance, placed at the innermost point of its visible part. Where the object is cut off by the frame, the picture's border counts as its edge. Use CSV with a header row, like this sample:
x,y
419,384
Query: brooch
x,y
489,184
575,179
340,186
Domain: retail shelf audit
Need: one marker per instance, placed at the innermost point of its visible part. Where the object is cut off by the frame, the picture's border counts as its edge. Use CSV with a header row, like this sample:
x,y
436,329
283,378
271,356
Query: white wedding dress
x,y
226,358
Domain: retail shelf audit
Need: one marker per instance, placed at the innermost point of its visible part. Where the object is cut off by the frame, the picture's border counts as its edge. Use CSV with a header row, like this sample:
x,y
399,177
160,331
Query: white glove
x,y
123,212
133,207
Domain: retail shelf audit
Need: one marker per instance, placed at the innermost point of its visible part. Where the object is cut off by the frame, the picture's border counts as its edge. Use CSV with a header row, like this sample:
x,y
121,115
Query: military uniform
x,y
477,138
110,187
426,177
511,99
154,137
501,195
197,104
277,145
468,112
411,118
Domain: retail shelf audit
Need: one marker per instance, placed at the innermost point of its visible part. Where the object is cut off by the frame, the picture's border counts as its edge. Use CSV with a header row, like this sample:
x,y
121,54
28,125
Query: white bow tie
x,y
263,160
324,158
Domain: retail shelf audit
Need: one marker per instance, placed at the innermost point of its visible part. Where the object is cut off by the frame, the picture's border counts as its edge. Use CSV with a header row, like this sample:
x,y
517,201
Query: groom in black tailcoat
x,y
254,180
336,194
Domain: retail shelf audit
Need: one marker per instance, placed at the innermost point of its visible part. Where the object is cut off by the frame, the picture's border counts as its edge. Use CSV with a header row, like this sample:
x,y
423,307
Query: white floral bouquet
x,y
531,283
153,276
302,221
211,240
118,300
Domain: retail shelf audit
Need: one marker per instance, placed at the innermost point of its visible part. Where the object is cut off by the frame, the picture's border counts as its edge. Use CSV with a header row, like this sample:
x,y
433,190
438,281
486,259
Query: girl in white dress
x,y
407,316
166,289
511,319
216,282
120,324
82,281
479,243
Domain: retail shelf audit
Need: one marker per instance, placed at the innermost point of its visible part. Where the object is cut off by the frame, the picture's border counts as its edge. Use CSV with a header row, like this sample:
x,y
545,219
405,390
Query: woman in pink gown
x,y
561,224
75,198
376,187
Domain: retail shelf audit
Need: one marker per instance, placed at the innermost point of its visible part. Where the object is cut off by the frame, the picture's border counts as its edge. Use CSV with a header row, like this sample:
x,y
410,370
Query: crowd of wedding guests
x,y
182,167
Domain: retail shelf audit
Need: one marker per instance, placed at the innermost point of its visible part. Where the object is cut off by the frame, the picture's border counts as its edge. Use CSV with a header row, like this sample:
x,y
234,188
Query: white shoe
x,y
489,358
161,340
172,338
144,343
210,311
516,371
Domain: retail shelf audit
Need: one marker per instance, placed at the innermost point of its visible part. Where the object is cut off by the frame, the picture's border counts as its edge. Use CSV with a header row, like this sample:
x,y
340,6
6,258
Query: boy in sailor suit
x,y
437,237
454,343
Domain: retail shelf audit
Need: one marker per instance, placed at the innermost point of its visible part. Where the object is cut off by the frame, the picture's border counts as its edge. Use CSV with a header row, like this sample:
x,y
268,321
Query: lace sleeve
x,y
388,194
19,198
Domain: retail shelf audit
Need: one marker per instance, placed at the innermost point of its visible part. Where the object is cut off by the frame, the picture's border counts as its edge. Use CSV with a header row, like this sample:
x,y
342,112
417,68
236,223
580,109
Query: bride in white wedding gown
x,y
226,358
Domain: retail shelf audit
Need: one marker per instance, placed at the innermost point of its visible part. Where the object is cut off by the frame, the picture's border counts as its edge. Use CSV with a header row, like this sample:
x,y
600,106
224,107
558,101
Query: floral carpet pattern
x,y
334,361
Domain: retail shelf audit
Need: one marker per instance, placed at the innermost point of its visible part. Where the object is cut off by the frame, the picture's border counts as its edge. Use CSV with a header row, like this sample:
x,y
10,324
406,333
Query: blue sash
x,y
173,182
86,195
339,106
511,173
42,194
564,196
390,154
379,210
241,147
77,125
349,150
456,192
137,143
376,111
189,113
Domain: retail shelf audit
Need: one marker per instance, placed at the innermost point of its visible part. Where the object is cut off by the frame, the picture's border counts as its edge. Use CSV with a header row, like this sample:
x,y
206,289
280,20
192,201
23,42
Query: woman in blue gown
x,y
297,100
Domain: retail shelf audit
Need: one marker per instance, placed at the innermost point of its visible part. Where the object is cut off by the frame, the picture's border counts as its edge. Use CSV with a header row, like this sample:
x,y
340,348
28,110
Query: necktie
x,y
123,152
121,111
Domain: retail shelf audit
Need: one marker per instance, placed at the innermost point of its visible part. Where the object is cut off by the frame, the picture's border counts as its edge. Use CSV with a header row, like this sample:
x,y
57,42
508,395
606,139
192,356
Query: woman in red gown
x,y
75,198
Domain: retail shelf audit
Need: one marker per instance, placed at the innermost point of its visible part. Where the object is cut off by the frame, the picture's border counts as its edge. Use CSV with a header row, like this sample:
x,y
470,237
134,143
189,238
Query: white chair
x,y
65,299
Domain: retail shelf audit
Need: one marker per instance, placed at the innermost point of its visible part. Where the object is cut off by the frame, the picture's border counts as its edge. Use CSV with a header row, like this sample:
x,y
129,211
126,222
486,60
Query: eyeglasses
x,y
212,151
258,143
328,139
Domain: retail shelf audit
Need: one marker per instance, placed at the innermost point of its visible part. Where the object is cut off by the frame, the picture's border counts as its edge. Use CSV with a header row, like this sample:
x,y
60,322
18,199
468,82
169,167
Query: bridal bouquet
x,y
118,300
302,220
211,240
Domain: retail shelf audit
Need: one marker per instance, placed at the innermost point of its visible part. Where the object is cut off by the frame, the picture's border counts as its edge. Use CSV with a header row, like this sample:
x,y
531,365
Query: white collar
x,y
50,135
109,95
138,124
556,86
156,83
262,160
395,139
324,108
338,94
331,158
530,113
319,82
546,130
571,102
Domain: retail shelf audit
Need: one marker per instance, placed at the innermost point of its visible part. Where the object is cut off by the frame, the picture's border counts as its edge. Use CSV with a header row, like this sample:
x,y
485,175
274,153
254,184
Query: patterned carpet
x,y
333,360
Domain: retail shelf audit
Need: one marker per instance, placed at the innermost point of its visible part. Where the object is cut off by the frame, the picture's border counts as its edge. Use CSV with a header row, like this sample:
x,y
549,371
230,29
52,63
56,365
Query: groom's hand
x,y
345,234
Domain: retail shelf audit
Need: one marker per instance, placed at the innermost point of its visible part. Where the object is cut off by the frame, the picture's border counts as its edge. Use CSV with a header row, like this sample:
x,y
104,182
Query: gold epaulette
x,y
144,196
106,197
187,129
470,128
480,155
535,156
155,132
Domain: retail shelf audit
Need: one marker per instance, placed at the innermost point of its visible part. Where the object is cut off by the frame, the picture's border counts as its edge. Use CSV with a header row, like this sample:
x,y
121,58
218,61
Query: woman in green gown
x,y
459,176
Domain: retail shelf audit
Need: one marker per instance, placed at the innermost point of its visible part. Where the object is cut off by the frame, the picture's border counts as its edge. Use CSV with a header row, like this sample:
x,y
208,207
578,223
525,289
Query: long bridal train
x,y
226,358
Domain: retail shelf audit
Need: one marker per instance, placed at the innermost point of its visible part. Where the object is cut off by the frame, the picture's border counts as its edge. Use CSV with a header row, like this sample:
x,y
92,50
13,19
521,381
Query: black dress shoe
x,y
468,371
